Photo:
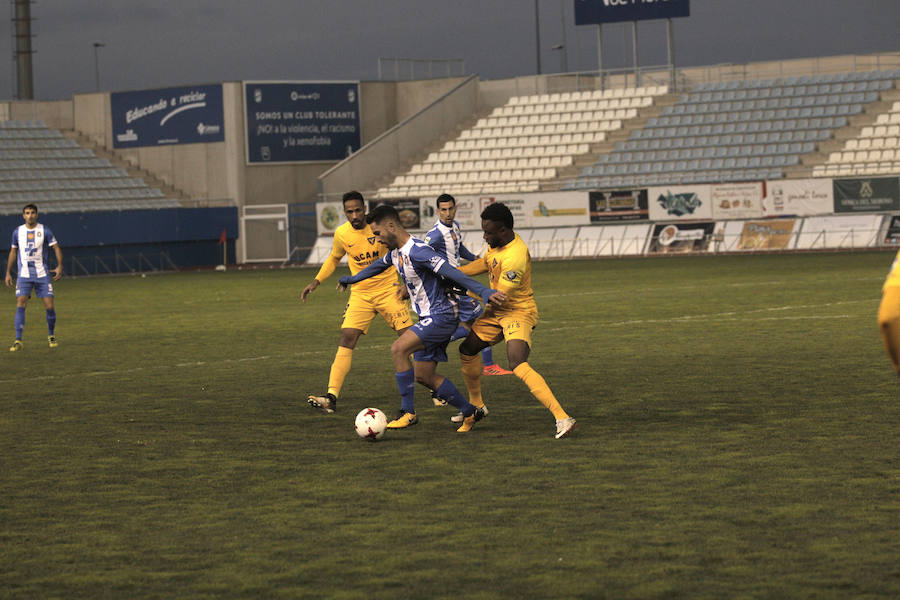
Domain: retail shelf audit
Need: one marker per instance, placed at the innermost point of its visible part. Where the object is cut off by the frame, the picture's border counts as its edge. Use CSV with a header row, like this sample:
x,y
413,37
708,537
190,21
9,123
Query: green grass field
x,y
738,438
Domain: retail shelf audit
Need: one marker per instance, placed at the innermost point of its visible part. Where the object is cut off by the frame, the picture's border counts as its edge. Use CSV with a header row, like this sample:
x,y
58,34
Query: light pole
x,y
97,46
537,33
564,49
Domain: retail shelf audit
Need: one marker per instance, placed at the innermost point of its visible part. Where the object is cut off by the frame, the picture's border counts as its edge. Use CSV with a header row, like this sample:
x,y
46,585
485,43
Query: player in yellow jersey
x,y
509,264
889,314
377,294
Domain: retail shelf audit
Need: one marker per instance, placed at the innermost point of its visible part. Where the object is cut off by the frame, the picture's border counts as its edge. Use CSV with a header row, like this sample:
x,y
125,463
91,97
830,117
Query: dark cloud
x,y
170,43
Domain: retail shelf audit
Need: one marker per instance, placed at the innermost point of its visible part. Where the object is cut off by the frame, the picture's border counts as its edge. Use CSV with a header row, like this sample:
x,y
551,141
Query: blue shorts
x,y
435,333
42,286
469,309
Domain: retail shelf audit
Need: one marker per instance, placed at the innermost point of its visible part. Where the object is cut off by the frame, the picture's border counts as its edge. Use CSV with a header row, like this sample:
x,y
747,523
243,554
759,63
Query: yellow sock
x,y
540,390
889,323
471,372
339,369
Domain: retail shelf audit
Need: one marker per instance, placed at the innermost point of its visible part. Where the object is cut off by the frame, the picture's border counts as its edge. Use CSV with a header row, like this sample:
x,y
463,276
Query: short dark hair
x,y
499,213
445,198
353,195
31,206
382,212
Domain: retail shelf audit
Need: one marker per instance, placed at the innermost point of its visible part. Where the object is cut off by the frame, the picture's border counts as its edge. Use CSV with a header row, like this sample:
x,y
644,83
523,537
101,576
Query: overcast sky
x,y
161,43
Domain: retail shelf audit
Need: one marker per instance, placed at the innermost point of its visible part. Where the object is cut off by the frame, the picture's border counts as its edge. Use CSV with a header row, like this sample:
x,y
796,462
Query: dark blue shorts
x,y
42,286
435,333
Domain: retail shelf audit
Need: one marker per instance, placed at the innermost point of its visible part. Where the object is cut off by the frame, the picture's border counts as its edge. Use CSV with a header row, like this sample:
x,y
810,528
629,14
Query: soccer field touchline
x,y
558,326
670,288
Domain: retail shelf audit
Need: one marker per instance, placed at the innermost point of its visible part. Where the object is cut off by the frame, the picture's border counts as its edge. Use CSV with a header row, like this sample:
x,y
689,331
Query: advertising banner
x,y
846,231
329,216
866,195
301,121
680,238
625,205
558,209
409,210
681,202
468,212
767,235
798,197
589,12
892,236
177,115
737,200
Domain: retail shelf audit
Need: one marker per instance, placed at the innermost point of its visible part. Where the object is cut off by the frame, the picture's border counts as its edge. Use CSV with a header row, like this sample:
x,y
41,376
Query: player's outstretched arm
x,y
476,267
379,266
466,253
487,294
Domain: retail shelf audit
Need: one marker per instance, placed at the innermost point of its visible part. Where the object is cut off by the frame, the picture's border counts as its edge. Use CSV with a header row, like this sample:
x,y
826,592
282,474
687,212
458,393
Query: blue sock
x,y
51,321
406,382
487,357
460,333
449,392
20,321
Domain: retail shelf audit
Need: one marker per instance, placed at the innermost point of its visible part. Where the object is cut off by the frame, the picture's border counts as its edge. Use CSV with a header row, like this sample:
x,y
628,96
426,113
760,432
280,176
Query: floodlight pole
x,y
537,33
634,49
670,34
600,53
564,57
97,46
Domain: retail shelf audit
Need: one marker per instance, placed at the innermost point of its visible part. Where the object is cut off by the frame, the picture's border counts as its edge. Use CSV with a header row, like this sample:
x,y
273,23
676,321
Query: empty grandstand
x,y
39,165
875,151
524,142
737,130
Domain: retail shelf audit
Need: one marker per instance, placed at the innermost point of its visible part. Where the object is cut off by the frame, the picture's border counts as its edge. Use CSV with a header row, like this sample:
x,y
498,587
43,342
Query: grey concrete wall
x,y
402,142
56,114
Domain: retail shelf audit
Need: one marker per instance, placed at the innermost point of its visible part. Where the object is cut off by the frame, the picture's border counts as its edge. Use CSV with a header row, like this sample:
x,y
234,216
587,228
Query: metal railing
x,y
588,242
420,68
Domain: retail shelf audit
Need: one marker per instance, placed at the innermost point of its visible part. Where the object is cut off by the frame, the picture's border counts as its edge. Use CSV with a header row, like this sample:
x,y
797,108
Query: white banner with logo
x,y
737,200
329,215
546,209
850,231
798,197
679,202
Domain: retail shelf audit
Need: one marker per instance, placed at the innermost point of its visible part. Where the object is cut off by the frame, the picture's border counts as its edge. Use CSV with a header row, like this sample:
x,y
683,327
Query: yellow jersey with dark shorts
x,y
377,294
510,272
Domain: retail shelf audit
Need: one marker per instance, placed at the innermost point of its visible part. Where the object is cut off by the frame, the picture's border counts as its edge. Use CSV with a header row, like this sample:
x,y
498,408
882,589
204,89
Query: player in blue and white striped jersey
x,y
430,281
30,249
446,239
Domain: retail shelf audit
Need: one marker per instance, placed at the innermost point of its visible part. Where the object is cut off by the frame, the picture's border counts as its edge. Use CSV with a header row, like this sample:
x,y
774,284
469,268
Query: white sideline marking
x,y
669,288
563,326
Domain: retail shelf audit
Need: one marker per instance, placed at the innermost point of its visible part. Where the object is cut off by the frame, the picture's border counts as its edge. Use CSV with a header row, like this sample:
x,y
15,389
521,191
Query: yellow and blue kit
x,y
376,294
510,272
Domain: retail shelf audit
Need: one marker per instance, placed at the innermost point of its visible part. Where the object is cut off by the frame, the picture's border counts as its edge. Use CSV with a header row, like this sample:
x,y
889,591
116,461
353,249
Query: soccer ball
x,y
371,424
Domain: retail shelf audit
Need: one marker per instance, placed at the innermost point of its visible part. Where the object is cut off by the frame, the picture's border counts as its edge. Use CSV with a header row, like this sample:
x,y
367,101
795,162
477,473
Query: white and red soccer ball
x,y
371,424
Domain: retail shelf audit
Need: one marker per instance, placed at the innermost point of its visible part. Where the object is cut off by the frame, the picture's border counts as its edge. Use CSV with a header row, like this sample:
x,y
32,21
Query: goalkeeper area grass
x,y
738,437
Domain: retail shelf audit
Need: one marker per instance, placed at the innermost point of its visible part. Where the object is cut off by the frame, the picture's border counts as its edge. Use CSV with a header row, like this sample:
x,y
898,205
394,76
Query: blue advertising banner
x,y
589,12
178,115
301,121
